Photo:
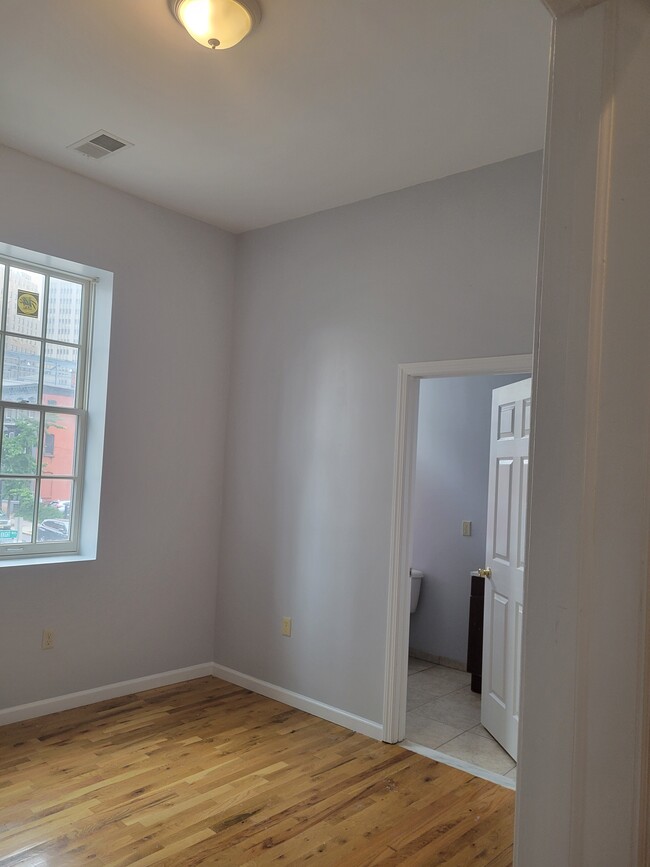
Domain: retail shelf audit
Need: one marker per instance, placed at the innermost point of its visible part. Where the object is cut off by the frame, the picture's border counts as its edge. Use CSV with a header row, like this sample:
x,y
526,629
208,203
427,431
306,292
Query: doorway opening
x,y
440,525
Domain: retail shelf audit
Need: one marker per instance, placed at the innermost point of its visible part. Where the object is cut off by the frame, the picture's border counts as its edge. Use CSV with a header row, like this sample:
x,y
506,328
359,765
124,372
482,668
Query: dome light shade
x,y
217,23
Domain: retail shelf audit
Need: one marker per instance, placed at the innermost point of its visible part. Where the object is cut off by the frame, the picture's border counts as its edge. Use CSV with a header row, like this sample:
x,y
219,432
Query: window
x,y
49,441
44,359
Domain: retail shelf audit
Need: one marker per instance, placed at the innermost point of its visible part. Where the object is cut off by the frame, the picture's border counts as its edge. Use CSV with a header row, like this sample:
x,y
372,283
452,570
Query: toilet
x,y
416,586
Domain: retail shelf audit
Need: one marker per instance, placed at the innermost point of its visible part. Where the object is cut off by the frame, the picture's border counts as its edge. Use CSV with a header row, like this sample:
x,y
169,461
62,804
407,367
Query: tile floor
x,y
442,713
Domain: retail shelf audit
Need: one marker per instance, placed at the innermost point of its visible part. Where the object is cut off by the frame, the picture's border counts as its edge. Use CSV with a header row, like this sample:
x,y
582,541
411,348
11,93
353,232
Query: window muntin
x,y
43,359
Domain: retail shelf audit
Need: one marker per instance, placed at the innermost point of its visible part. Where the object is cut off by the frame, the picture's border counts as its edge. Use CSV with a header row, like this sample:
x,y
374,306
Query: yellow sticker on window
x,y
27,304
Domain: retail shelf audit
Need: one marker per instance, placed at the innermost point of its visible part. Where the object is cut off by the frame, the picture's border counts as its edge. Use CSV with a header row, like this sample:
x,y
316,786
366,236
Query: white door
x,y
505,549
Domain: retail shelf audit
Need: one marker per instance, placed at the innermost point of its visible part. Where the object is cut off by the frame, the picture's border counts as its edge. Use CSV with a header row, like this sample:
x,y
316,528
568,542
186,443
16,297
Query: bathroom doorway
x,y
444,444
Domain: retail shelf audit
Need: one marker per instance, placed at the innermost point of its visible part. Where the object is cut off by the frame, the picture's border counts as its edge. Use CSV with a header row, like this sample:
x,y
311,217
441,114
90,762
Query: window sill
x,y
38,559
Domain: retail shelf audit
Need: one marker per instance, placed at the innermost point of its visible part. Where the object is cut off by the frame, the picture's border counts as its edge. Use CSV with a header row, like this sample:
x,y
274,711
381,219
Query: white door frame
x,y
586,626
397,638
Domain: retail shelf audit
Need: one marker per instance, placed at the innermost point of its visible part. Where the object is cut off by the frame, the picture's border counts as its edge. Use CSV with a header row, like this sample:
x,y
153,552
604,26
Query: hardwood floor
x,y
207,773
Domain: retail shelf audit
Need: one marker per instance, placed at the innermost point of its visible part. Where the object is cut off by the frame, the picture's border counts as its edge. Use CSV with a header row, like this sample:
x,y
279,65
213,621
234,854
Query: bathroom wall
x,y
450,487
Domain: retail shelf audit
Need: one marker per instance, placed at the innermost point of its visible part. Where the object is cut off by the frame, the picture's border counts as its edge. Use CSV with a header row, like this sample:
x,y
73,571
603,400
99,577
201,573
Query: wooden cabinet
x,y
475,636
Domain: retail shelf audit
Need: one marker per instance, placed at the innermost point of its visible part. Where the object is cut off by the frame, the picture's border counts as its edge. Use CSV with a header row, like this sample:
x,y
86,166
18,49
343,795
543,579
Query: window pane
x,y
19,442
2,282
53,530
54,511
64,310
21,369
17,504
25,303
59,444
60,375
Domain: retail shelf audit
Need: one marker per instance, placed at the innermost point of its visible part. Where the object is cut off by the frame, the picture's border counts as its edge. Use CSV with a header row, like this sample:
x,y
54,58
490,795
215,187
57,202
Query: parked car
x,y
61,505
53,530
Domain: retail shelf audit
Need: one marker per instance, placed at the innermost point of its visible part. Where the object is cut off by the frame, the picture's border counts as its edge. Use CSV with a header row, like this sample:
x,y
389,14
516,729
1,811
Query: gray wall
x,y
146,604
326,308
451,481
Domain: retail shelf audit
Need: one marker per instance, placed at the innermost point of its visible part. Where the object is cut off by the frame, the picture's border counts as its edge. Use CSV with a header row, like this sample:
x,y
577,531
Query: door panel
x,y
503,497
499,630
519,622
507,421
523,500
526,417
505,556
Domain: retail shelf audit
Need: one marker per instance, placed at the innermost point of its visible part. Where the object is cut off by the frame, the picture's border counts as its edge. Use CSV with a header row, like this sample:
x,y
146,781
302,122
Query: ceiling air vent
x,y
99,144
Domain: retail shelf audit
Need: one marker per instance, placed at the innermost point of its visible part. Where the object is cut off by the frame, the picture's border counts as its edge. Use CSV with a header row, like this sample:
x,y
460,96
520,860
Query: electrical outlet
x,y
47,641
286,627
467,528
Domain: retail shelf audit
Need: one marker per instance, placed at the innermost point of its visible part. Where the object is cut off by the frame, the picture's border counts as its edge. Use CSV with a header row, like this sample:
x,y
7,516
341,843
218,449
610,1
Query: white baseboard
x,y
302,702
101,693
140,684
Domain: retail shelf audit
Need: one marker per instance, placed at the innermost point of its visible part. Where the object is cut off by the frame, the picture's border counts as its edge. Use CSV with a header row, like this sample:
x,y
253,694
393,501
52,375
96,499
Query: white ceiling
x,y
326,103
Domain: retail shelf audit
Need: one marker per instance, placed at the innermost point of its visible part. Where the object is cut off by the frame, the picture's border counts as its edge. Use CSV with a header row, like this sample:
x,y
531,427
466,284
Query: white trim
x,y
102,693
578,802
644,794
301,702
469,366
459,764
167,678
592,413
397,630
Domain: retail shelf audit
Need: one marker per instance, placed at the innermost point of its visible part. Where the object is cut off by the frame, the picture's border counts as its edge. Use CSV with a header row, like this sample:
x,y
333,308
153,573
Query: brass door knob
x,y
485,573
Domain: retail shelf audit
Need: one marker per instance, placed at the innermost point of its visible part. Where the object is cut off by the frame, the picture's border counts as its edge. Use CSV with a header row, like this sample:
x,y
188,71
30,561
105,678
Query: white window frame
x,y
90,409
78,410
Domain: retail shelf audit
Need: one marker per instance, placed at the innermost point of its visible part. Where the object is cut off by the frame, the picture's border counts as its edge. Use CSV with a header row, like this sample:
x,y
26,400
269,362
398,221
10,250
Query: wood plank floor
x,y
207,773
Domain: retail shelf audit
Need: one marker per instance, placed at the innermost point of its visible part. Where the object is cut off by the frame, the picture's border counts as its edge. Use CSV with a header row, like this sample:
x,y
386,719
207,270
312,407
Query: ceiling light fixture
x,y
217,23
